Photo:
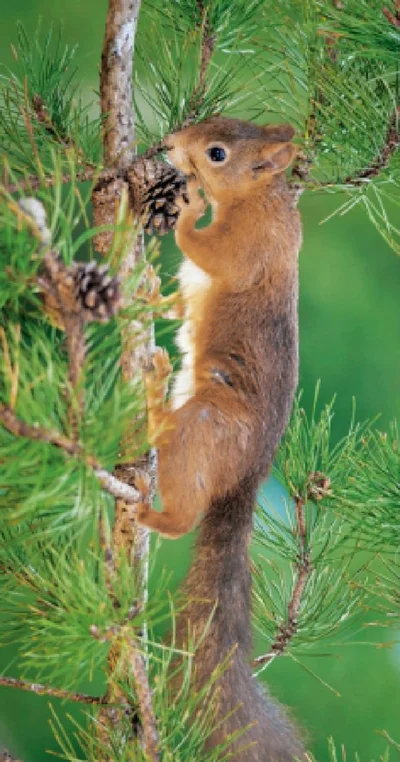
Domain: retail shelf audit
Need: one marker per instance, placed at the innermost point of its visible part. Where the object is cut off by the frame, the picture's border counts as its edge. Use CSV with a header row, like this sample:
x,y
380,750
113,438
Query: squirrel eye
x,y
216,153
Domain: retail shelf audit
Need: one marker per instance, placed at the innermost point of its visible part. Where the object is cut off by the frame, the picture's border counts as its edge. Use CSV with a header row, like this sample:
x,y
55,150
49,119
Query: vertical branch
x,y
119,152
149,729
116,82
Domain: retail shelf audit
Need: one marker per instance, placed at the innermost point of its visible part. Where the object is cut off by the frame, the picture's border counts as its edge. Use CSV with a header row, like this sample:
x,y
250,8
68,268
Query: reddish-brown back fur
x,y
222,441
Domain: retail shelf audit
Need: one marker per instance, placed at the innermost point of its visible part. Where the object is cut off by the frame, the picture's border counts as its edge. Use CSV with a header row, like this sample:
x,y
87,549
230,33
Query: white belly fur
x,y
194,285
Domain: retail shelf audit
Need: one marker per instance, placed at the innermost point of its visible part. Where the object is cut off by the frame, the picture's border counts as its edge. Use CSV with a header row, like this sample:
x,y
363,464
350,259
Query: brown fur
x,y
217,447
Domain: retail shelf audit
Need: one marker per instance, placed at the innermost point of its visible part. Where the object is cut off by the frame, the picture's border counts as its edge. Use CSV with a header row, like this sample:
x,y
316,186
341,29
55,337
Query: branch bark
x,y
47,690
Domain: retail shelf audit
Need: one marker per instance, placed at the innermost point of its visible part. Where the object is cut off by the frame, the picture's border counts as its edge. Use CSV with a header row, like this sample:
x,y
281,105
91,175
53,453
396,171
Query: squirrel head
x,y
230,156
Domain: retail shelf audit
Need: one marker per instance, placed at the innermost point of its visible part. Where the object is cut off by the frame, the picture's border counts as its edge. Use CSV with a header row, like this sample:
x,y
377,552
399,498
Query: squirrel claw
x,y
150,290
142,484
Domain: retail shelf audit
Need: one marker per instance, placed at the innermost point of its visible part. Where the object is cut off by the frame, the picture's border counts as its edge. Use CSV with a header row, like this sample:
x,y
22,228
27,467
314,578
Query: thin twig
x,y
108,481
29,128
108,555
12,368
208,42
47,690
61,286
382,159
393,18
99,174
153,150
301,170
207,47
33,182
289,627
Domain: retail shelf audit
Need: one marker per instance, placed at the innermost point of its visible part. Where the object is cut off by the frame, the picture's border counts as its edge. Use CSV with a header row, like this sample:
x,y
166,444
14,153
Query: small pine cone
x,y
318,486
155,187
96,291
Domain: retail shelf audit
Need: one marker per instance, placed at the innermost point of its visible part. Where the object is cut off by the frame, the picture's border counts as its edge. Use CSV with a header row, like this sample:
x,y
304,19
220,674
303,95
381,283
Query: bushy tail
x,y
220,578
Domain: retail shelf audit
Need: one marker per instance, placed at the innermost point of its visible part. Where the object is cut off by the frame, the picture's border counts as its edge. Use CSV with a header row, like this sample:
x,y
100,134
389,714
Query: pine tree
x,y
77,298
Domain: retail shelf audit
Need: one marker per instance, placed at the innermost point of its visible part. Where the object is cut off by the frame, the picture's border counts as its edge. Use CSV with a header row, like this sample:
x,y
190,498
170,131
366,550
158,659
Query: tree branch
x,y
289,627
47,690
108,481
120,152
137,664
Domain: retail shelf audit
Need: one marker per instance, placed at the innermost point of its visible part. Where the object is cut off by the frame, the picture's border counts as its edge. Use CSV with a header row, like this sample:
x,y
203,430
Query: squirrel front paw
x,y
156,383
159,372
191,203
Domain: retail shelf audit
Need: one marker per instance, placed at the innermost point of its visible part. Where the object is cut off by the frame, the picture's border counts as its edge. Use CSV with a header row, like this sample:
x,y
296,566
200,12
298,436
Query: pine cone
x,y
155,187
97,292
318,486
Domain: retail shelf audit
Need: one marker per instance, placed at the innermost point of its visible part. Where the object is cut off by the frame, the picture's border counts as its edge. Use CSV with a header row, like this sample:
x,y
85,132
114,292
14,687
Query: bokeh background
x,y
350,339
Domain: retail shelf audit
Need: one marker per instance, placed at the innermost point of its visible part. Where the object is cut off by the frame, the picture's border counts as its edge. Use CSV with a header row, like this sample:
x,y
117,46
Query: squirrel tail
x,y
218,589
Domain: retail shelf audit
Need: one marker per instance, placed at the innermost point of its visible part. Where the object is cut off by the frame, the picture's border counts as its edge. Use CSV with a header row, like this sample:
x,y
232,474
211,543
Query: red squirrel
x,y
231,400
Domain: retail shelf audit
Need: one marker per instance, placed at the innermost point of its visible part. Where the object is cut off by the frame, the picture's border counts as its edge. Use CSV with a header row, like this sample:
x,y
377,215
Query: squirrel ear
x,y
278,133
278,157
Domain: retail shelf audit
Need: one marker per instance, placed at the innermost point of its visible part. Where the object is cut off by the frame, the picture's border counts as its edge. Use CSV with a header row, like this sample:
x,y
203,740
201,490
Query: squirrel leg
x,y
207,450
156,383
203,247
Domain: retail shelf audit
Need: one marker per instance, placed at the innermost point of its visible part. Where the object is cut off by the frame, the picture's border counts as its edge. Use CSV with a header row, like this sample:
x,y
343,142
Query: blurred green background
x,y
350,339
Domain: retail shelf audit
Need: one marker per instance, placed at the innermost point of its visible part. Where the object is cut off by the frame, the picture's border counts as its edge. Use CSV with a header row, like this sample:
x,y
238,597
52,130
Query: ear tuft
x,y
279,133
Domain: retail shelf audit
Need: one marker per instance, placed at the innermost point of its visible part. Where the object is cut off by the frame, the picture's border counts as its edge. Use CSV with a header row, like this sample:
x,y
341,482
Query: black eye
x,y
216,153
